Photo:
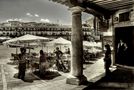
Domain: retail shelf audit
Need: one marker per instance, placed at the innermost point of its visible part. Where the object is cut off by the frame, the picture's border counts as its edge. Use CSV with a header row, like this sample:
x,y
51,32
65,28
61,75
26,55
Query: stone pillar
x,y
76,75
113,31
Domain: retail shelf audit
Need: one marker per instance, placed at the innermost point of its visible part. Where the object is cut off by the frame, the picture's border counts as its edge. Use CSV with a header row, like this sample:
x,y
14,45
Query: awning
x,y
59,41
26,38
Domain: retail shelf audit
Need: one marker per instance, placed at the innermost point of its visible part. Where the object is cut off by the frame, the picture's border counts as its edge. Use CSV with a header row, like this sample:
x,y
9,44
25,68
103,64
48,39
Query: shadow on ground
x,y
48,75
28,77
117,80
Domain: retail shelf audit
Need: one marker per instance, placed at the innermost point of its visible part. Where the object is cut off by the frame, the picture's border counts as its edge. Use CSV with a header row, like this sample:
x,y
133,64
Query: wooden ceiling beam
x,y
103,2
121,7
118,4
95,8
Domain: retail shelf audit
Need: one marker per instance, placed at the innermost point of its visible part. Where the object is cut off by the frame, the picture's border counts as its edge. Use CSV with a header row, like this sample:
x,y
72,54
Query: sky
x,y
36,10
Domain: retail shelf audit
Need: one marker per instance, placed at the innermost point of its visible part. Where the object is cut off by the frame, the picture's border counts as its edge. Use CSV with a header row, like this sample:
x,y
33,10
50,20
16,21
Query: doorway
x,y
124,46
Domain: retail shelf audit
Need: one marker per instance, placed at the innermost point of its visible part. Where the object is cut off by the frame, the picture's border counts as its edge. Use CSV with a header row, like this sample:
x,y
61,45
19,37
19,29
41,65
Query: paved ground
x,y
55,81
94,71
120,79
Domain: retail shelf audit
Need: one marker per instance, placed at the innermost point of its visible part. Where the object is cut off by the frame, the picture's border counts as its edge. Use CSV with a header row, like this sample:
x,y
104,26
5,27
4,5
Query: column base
x,y
76,80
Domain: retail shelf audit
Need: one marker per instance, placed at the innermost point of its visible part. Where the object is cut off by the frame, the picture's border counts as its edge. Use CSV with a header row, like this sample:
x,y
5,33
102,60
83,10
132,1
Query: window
x,y
124,16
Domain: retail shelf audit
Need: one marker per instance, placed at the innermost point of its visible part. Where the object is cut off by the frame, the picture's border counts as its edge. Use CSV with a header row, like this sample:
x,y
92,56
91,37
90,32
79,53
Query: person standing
x,y
42,63
22,63
59,63
107,59
68,51
121,52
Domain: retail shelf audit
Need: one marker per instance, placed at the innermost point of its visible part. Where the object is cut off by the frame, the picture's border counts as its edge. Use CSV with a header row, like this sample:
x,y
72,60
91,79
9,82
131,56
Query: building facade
x,y
16,29
123,26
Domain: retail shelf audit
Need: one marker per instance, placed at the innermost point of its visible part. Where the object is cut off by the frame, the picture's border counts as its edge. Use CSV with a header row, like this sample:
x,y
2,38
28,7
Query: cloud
x,y
20,19
29,14
16,19
9,20
36,15
45,20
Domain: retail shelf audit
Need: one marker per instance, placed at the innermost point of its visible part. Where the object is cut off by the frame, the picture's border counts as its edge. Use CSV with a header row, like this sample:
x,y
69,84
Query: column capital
x,y
76,9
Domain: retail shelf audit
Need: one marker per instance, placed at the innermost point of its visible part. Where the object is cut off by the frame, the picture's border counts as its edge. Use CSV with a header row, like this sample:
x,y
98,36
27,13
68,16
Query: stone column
x,y
113,31
76,75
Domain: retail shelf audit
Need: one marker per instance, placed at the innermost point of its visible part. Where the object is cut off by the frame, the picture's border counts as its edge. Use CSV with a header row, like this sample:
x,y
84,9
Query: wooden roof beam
x,y
97,14
95,8
115,8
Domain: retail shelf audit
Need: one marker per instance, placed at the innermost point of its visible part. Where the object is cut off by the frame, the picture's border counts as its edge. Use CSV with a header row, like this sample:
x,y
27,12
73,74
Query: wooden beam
x,y
121,7
117,4
105,12
109,1
99,15
95,7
